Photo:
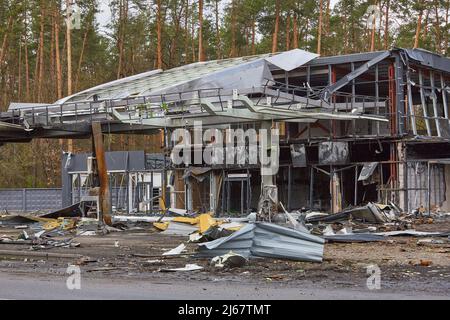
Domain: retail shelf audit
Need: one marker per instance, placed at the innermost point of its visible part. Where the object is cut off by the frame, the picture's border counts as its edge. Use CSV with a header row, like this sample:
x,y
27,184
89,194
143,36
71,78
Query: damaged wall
x,y
418,180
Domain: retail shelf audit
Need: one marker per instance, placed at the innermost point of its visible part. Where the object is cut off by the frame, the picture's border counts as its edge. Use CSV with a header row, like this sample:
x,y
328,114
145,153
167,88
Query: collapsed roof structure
x,y
373,126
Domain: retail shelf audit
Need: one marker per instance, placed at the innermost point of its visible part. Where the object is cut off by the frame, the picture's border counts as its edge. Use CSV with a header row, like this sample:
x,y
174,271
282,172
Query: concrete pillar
x,y
269,151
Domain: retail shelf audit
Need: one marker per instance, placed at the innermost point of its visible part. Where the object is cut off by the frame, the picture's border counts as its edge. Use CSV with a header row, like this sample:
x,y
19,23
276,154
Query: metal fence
x,y
25,200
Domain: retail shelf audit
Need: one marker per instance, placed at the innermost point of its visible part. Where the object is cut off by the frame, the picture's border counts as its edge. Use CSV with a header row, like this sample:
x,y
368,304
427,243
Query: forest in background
x,y
44,56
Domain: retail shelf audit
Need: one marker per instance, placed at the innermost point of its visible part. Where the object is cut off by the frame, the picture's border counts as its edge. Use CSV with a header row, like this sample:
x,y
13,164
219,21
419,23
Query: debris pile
x,y
372,222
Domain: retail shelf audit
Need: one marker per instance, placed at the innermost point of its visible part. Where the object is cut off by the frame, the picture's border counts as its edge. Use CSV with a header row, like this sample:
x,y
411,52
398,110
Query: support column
x,y
268,202
100,160
402,177
179,190
66,181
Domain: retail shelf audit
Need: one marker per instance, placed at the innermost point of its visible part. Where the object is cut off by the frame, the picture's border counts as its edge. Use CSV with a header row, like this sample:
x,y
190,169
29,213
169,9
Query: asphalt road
x,y
18,286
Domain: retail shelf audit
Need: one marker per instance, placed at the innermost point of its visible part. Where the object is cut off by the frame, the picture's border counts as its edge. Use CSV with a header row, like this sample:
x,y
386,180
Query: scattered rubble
x,y
229,243
229,260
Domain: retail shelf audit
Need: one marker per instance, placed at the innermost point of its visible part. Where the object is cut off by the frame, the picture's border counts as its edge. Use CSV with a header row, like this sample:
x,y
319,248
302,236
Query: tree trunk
x,y
425,25
120,40
187,33
80,60
438,28
319,36
27,69
159,35
69,57
295,27
192,39
276,27
52,73
419,27
59,83
374,29
288,31
5,40
447,34
253,37
218,40
173,47
41,55
69,46
233,29
386,27
201,54
327,16
20,71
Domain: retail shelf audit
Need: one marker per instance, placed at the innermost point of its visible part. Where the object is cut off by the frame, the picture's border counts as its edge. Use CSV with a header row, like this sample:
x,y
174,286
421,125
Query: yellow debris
x,y
186,220
234,228
206,222
203,222
161,225
68,224
52,224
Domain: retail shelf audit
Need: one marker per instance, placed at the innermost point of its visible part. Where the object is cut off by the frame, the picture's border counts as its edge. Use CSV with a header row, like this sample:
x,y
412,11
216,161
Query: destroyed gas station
x,y
362,157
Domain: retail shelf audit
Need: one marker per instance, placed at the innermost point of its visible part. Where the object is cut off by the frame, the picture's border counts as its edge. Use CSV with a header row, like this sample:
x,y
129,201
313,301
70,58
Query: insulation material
x,y
367,171
333,153
298,155
267,240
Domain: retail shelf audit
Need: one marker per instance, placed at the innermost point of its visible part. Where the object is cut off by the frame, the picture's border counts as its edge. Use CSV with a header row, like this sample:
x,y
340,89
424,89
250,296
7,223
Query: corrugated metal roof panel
x,y
267,240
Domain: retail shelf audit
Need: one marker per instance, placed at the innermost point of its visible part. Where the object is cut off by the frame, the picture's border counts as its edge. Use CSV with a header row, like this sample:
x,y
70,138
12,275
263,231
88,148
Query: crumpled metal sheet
x,y
355,237
412,233
246,75
292,59
369,213
429,59
267,240
198,173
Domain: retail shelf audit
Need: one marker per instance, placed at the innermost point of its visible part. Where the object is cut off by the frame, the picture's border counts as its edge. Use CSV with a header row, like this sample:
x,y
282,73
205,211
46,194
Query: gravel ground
x,y
406,266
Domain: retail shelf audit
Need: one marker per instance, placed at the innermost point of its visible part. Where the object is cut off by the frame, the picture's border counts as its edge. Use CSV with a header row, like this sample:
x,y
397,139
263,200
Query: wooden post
x,y
105,199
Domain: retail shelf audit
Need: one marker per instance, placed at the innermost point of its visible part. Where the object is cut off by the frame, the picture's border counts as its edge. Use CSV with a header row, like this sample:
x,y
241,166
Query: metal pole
x,y
424,104
242,196
429,189
435,107
356,186
289,188
377,95
311,188
444,96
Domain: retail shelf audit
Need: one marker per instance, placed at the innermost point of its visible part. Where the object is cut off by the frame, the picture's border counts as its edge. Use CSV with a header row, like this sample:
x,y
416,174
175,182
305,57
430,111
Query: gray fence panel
x,y
30,199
